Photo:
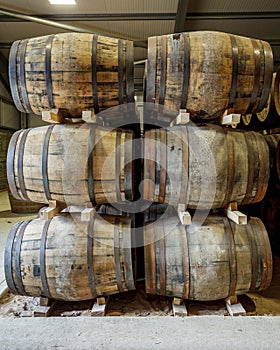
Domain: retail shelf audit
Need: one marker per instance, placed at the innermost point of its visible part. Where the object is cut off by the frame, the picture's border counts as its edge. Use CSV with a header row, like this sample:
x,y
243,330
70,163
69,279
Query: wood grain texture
x,y
66,262
219,259
220,71
76,165
222,166
72,72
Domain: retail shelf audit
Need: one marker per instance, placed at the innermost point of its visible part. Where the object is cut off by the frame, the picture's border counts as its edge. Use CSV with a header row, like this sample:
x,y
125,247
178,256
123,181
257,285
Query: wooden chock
x,y
230,118
88,212
89,117
236,216
234,307
52,116
53,209
179,308
44,311
100,306
182,118
184,215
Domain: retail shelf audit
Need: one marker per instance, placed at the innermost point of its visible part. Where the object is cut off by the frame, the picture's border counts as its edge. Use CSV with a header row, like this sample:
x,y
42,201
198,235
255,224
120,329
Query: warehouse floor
x,y
203,332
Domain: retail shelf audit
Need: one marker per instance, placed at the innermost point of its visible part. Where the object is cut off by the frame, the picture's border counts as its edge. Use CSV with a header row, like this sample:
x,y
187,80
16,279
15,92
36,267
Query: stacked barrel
x,y
202,167
206,166
72,163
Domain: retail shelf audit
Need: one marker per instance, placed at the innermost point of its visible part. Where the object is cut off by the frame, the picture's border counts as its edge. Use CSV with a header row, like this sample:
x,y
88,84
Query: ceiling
x,y
139,19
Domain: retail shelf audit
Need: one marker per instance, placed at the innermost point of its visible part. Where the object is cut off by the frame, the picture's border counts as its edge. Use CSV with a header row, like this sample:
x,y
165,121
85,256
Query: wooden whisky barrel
x,y
273,141
208,72
73,164
23,207
218,260
68,259
72,72
205,166
278,160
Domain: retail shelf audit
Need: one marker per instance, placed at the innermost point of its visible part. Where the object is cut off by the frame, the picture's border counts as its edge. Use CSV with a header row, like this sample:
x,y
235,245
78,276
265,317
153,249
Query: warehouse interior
x,y
74,324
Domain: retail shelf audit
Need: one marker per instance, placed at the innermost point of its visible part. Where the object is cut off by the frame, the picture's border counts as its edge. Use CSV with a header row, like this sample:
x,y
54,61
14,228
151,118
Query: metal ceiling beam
x,y
98,17
92,17
181,16
47,22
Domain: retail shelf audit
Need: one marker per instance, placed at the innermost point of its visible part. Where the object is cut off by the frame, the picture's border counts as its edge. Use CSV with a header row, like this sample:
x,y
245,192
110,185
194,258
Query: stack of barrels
x,y
202,167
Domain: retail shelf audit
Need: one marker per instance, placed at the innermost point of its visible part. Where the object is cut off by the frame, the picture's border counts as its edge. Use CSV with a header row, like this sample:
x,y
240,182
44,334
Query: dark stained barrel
x,y
218,260
205,166
67,259
207,72
73,164
273,142
72,72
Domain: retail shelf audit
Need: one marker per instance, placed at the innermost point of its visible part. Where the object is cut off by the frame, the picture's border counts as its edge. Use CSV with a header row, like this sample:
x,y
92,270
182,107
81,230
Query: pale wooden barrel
x,y
218,260
73,164
72,72
68,259
205,166
208,72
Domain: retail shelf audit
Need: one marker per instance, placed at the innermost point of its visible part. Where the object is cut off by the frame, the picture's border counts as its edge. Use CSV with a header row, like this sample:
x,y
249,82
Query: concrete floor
x,y
202,332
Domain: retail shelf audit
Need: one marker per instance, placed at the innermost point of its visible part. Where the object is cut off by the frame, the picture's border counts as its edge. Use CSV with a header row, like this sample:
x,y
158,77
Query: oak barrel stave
x,y
218,260
71,163
207,166
67,259
208,72
72,72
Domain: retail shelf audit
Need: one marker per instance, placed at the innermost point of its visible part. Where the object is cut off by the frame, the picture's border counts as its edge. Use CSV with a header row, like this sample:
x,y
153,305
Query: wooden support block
x,y
100,307
235,309
230,119
89,117
53,116
235,215
26,313
49,212
184,215
87,214
179,308
182,118
3,289
44,311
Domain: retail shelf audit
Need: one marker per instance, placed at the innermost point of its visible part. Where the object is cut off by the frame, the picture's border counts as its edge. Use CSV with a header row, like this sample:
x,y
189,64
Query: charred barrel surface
x,y
67,259
205,166
72,164
72,72
218,260
208,72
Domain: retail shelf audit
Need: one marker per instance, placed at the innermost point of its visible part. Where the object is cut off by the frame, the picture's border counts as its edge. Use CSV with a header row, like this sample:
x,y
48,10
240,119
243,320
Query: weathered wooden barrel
x,y
278,160
68,259
273,141
218,260
208,72
72,72
205,166
23,207
73,164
